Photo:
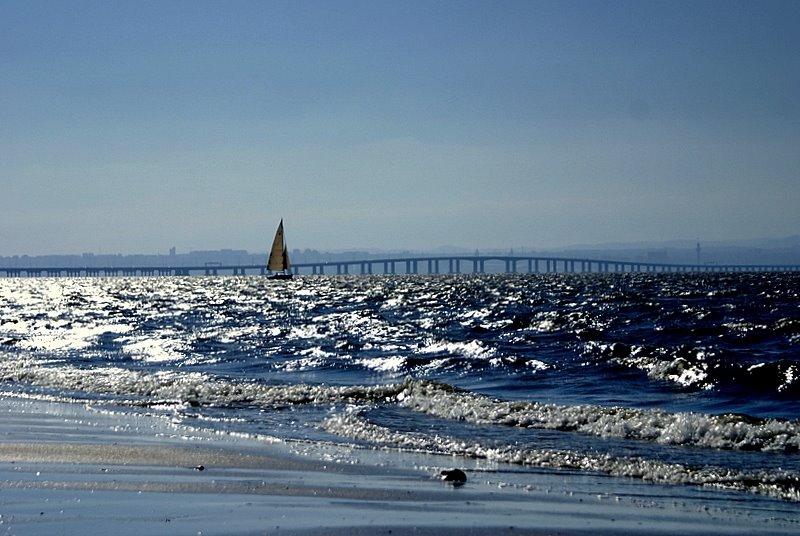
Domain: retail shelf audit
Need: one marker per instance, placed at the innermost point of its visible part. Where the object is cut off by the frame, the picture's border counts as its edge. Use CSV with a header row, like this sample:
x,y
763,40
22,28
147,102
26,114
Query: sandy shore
x,y
70,469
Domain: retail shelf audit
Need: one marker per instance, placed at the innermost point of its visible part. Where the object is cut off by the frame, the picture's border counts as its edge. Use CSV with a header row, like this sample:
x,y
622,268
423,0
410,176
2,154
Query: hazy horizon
x,y
139,126
791,242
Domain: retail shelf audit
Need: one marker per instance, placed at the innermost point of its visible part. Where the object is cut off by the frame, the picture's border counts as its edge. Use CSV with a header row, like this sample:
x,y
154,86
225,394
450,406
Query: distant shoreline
x,y
769,251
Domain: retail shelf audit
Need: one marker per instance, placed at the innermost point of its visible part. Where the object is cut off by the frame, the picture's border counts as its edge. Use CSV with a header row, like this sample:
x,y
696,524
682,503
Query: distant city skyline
x,y
139,126
785,251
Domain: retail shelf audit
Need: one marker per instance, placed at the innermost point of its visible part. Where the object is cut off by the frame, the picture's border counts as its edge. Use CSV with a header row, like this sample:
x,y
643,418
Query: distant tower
x,y
172,251
698,252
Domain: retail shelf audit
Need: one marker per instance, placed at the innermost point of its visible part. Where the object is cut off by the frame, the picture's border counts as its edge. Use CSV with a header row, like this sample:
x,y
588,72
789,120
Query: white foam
x,y
394,363
470,349
155,350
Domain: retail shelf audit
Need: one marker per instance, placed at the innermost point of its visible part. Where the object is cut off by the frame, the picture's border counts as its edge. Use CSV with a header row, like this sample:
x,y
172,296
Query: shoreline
x,y
69,469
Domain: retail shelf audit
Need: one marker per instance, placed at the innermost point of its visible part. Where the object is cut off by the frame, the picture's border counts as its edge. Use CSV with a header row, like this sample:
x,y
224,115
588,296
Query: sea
x,y
689,381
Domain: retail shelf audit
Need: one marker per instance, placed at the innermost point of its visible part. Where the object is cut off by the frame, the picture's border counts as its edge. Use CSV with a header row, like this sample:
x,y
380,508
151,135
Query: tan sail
x,y
286,264
279,254
276,253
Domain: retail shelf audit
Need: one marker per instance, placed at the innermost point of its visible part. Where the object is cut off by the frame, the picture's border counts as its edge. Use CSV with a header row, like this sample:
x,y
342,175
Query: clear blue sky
x,y
134,126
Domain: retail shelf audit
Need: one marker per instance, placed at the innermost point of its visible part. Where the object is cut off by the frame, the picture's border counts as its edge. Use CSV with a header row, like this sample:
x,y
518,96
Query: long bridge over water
x,y
449,264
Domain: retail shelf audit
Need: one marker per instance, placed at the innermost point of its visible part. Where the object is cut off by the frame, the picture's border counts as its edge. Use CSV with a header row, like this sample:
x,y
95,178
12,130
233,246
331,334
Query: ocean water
x,y
684,380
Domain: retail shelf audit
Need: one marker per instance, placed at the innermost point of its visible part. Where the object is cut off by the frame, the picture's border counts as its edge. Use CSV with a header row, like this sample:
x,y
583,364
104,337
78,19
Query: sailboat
x,y
278,263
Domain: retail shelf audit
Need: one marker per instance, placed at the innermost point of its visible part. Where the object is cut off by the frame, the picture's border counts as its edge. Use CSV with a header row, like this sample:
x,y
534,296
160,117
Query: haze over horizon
x,y
139,126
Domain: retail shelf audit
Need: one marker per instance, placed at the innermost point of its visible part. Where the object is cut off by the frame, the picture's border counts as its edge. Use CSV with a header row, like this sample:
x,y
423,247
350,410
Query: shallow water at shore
x,y
73,469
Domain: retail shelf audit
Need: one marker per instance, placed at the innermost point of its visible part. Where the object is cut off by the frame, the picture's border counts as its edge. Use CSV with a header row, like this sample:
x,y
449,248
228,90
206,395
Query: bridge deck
x,y
407,265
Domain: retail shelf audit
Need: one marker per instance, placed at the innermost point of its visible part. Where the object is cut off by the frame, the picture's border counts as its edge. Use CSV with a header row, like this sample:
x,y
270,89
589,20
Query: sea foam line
x,y
729,431
440,400
189,388
779,484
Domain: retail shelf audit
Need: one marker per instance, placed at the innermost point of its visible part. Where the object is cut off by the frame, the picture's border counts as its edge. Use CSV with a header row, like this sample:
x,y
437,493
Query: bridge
x,y
450,264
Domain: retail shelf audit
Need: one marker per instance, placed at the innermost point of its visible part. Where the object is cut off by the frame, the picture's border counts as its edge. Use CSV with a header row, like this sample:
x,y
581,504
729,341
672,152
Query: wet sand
x,y
70,469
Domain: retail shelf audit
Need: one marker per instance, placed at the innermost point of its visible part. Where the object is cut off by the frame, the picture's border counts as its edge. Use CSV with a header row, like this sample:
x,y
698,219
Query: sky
x,y
137,126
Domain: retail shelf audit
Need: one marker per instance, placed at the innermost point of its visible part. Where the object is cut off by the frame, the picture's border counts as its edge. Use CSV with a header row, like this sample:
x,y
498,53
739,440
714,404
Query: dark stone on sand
x,y
456,477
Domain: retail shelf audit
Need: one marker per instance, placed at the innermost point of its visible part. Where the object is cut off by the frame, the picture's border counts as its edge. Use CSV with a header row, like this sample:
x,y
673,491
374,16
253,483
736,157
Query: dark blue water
x,y
679,379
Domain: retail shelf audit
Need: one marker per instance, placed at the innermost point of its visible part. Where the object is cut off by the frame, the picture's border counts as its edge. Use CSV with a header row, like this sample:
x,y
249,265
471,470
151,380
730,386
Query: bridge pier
x,y
455,266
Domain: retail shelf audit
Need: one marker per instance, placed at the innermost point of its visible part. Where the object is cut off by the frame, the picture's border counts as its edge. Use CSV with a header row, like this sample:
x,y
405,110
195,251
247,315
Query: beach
x,y
71,469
